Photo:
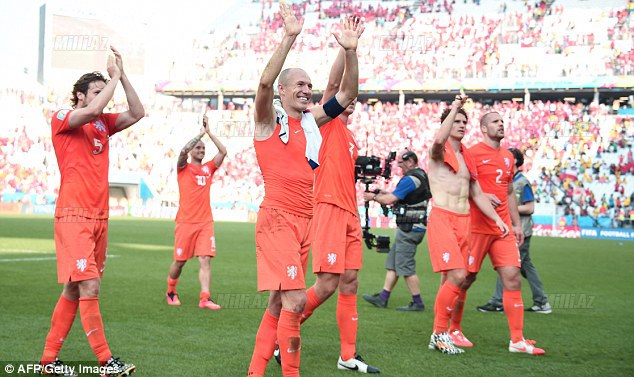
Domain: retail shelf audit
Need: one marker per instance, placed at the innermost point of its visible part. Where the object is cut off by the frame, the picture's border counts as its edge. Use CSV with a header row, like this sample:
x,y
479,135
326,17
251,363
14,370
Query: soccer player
x,y
337,247
80,139
287,147
452,179
413,191
526,207
194,232
495,167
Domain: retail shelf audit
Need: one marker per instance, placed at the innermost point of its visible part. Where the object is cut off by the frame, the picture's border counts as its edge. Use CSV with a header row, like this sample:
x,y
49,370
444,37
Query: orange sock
x,y
290,342
204,296
445,302
61,322
456,315
312,303
514,309
348,321
93,326
264,344
171,284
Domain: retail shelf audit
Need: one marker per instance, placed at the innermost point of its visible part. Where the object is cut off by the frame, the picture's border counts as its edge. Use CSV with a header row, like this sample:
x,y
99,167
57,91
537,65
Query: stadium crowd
x,y
405,43
579,157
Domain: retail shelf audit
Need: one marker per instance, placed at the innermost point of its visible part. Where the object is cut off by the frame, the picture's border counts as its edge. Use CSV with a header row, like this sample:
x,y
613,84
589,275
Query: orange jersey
x,y
288,177
193,186
334,179
495,174
82,156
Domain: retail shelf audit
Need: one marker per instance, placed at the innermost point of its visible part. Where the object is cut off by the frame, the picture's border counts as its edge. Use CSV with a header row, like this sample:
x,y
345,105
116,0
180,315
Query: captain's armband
x,y
332,108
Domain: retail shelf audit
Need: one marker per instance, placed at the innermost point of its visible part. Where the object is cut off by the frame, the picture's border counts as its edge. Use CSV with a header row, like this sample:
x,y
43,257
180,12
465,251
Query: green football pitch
x,y
588,334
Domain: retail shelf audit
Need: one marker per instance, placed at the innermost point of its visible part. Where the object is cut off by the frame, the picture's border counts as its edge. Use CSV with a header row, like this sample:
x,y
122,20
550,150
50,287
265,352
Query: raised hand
x,y
292,26
351,30
113,69
118,59
460,100
205,124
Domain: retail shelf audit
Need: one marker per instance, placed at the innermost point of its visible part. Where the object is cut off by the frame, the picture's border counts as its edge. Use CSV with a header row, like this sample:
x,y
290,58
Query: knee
x,y
89,288
470,278
513,282
297,305
457,277
178,264
348,285
327,284
71,291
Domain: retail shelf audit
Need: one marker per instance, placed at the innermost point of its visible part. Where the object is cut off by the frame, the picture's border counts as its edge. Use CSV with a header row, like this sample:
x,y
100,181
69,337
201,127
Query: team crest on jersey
x,y
291,271
205,169
507,162
100,126
61,115
81,264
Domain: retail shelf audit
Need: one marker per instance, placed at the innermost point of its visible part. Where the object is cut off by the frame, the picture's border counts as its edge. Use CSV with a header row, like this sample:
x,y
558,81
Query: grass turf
x,y
587,334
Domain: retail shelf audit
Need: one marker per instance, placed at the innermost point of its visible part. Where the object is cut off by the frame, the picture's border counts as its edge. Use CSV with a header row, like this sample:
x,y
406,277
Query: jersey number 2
x,y
498,179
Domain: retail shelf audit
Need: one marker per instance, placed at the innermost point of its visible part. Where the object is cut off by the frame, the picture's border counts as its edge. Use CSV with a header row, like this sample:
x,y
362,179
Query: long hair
x,y
446,112
83,83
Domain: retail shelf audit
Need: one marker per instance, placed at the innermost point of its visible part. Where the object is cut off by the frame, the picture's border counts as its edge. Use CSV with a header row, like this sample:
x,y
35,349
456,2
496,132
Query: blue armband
x,y
332,108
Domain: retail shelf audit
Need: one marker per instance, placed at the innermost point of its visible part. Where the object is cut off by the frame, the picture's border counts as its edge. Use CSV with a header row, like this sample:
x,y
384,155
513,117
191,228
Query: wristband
x,y
332,108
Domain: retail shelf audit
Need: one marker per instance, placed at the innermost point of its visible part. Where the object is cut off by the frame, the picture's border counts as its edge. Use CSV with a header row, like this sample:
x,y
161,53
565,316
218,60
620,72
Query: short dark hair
x,y
409,154
446,112
83,83
518,156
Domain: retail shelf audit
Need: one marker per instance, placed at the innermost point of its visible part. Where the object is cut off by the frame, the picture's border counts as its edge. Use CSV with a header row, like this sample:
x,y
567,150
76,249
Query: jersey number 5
x,y
98,146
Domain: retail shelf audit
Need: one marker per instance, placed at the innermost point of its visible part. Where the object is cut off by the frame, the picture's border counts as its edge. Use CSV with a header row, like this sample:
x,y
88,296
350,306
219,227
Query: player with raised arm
x,y
453,180
194,232
337,246
80,139
287,141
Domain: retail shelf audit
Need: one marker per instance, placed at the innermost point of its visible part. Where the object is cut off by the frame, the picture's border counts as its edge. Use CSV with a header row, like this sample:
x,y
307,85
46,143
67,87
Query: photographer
x,y
410,206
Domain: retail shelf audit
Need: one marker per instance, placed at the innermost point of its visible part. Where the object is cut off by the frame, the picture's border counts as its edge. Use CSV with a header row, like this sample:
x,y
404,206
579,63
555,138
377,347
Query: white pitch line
x,y
37,259
26,251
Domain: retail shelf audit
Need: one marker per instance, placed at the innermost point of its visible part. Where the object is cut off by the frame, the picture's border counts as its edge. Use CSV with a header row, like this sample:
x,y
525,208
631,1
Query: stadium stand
x,y
578,153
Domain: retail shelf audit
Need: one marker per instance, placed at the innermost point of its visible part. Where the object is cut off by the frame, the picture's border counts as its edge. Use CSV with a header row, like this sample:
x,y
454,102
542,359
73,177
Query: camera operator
x,y
410,206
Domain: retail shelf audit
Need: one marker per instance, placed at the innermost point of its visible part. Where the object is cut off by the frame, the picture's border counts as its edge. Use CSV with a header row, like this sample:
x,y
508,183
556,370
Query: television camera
x,y
367,170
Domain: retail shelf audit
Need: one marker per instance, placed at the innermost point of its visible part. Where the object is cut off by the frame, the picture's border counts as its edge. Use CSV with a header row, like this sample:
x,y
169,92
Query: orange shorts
x,y
282,243
337,240
80,245
448,239
502,251
194,239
